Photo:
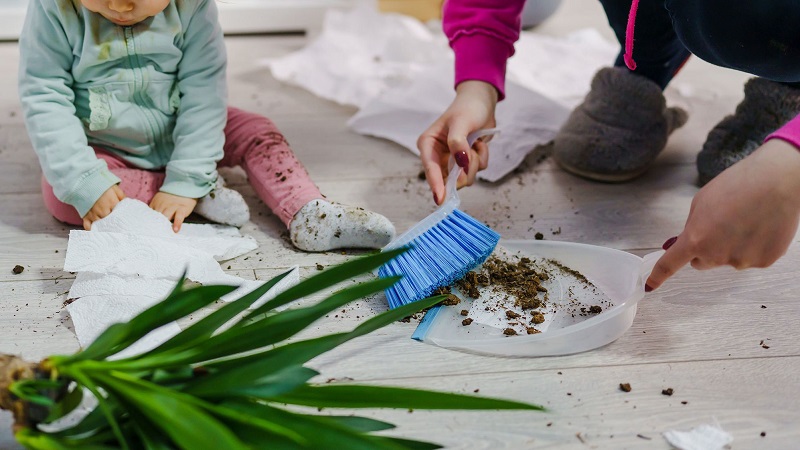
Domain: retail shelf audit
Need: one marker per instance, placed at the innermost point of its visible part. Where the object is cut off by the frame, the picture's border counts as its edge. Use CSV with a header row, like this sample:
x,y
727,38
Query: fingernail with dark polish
x,y
670,242
462,160
647,288
435,198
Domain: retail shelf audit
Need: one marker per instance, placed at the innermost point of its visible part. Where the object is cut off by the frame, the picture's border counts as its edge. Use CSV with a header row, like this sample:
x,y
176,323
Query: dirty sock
x,y
321,226
223,205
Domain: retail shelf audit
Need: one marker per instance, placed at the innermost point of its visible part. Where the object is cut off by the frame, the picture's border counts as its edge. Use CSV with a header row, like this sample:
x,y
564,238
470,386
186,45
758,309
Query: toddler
x,y
127,98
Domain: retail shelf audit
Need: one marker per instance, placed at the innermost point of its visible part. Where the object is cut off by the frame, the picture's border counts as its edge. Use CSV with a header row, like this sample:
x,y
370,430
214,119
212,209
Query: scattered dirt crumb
x,y
476,391
537,318
511,314
509,332
763,433
421,175
466,321
625,387
641,436
684,402
320,266
595,309
532,330
763,306
667,391
17,269
464,312
538,236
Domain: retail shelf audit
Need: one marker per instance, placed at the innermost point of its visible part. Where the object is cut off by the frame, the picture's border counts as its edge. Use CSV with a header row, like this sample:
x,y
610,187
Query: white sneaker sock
x,y
223,205
321,226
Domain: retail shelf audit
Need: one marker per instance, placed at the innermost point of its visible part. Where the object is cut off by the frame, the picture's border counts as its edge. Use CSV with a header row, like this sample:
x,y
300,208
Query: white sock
x,y
321,226
223,205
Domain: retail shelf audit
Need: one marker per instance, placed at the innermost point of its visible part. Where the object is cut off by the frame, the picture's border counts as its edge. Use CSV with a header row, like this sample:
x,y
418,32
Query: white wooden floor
x,y
700,334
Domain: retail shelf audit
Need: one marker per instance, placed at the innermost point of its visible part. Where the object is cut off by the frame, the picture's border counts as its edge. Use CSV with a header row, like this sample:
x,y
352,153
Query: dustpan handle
x,y
451,194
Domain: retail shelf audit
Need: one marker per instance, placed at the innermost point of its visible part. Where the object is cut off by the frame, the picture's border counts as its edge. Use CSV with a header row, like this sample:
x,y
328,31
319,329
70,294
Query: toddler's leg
x,y
281,181
135,183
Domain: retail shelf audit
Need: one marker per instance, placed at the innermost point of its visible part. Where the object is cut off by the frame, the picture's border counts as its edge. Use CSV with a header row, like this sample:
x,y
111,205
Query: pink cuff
x,y
789,132
483,58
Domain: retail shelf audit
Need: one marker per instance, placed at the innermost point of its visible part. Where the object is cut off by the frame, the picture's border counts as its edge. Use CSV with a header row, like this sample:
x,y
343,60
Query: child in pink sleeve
x,y
748,211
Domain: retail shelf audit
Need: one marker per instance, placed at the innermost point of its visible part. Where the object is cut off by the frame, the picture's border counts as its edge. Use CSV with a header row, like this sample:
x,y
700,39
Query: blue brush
x,y
443,247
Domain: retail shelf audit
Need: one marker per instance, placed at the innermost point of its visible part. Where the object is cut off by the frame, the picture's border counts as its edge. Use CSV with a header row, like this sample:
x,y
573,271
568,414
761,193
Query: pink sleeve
x,y
482,34
789,132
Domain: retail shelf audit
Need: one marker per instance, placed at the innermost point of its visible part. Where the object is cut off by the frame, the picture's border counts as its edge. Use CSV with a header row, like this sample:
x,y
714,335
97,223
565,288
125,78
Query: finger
x,y
432,165
433,173
468,176
179,217
118,190
482,148
457,143
167,211
87,224
673,260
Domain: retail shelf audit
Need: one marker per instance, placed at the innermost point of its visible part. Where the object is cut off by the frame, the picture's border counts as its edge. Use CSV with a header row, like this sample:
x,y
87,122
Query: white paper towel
x,y
132,259
400,74
702,437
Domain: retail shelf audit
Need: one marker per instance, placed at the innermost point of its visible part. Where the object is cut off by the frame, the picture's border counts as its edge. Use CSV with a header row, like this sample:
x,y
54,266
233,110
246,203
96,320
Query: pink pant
x,y
251,141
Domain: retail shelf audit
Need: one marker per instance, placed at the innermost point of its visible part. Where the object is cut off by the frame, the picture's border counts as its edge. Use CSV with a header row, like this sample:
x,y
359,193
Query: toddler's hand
x,y
174,207
103,206
472,109
745,217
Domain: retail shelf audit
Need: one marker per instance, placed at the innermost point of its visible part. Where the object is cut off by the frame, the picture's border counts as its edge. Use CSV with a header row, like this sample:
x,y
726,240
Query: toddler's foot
x,y
618,130
767,105
321,226
223,205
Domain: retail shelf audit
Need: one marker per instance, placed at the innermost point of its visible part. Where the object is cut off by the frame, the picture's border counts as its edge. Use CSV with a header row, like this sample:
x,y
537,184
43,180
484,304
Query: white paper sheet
x,y
400,74
702,437
132,259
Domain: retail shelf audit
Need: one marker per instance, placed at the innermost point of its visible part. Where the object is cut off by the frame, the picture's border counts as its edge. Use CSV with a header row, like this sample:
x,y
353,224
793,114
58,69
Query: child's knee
x,y
58,209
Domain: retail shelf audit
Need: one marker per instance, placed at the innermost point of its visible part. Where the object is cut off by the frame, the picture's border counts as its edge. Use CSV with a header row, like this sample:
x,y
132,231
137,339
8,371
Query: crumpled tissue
x,y
399,72
132,259
702,437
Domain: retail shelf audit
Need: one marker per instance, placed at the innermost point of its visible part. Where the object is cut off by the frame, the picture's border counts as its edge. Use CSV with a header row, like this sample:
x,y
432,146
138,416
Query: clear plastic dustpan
x,y
592,294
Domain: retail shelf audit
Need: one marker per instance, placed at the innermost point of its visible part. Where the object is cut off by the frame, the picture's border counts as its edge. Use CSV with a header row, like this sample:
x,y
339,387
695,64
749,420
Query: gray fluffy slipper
x,y
618,130
767,105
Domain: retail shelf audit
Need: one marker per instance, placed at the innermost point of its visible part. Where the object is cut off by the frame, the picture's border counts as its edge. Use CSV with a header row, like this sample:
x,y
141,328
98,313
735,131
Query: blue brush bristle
x,y
439,257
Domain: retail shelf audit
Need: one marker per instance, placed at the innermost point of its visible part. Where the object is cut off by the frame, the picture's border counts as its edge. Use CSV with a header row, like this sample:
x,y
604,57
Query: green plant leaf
x,y
31,391
66,405
352,396
35,440
332,276
119,336
173,413
151,437
251,384
319,433
204,328
275,328
362,424
229,374
409,444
